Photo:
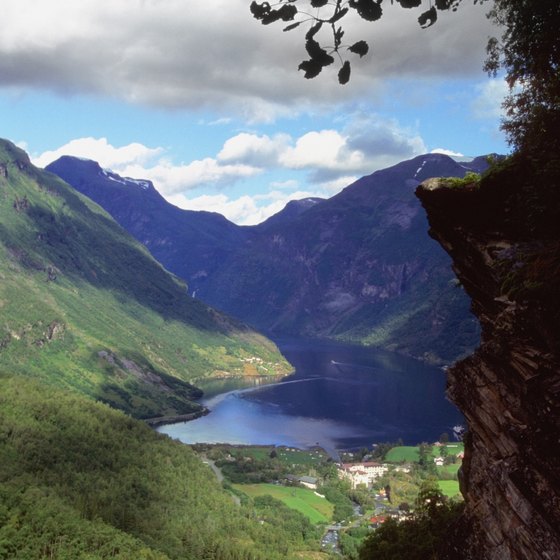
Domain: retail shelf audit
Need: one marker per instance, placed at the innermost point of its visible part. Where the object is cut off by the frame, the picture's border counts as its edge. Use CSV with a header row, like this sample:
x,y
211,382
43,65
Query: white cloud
x,y
322,149
172,179
238,210
200,54
253,149
245,210
364,145
101,151
446,152
383,142
488,102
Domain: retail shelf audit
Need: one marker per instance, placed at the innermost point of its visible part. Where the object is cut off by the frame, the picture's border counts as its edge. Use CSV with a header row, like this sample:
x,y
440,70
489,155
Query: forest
x,y
81,480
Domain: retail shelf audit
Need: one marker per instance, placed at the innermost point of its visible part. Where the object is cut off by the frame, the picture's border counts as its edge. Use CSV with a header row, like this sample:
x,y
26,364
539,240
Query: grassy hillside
x,y
317,509
84,306
81,480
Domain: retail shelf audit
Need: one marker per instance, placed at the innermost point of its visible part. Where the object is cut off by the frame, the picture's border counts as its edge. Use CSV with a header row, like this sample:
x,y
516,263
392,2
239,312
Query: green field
x,y
449,469
410,453
452,448
317,509
258,452
449,488
403,453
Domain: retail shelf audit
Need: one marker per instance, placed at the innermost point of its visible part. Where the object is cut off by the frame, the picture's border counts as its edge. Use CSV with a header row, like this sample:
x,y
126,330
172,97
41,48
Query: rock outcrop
x,y
504,239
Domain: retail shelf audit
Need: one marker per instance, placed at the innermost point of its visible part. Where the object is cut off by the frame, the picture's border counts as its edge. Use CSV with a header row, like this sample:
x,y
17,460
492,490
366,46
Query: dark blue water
x,y
339,397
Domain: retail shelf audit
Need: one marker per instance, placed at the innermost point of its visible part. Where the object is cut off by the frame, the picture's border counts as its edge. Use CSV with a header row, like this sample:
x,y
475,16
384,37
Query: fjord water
x,y
340,397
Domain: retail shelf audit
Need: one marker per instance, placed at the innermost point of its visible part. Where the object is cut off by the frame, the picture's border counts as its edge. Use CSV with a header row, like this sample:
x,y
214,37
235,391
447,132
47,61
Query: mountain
x,y
81,480
358,267
292,210
190,244
84,306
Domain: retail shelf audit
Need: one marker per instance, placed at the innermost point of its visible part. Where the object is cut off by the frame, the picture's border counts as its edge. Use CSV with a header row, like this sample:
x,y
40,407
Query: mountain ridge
x,y
320,267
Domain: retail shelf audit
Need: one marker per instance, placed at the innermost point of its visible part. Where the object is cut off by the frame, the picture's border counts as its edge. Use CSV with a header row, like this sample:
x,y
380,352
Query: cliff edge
x,y
503,234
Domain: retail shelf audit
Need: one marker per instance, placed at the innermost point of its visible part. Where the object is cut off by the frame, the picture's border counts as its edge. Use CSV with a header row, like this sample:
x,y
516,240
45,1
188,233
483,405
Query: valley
x,y
359,267
295,459
93,328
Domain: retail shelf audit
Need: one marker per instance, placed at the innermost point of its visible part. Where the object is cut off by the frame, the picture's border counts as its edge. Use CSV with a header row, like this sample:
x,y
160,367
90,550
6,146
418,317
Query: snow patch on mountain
x,y
125,180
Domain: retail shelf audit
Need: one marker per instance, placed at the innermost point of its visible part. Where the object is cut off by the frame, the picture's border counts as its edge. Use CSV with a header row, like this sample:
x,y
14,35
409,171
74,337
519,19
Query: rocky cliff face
x,y
504,239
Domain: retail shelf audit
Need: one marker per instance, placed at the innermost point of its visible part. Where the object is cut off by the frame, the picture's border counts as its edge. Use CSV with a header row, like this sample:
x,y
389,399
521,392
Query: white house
x,y
361,473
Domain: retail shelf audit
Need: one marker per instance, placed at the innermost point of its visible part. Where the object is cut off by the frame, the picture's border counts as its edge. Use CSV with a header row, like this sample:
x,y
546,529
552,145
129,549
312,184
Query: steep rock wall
x,y
504,239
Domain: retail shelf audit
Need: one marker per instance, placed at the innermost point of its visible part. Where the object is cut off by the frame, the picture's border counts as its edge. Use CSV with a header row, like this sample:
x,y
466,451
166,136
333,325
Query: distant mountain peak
x,y
86,168
81,161
292,210
310,201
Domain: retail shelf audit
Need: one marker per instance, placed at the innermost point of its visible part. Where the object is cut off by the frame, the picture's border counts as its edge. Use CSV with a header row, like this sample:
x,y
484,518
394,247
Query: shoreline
x,y
162,420
233,377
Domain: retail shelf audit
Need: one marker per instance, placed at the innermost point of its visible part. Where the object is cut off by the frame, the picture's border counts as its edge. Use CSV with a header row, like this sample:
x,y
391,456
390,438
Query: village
x,y
348,497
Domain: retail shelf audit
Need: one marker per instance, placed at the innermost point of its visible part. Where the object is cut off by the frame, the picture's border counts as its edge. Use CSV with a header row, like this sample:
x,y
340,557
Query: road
x,y
219,475
214,467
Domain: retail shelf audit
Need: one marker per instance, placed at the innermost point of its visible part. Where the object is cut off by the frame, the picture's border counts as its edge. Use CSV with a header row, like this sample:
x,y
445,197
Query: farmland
x,y
307,502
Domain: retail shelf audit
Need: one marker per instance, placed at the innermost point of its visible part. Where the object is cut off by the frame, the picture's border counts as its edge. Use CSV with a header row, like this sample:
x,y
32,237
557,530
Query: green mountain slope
x,y
79,480
84,306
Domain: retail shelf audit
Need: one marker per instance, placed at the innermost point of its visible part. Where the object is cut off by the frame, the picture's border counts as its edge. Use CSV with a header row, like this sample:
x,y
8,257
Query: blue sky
x,y
208,104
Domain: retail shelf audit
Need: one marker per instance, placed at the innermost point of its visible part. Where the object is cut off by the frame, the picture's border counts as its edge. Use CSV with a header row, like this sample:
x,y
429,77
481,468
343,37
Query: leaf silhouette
x,y
344,73
428,18
410,3
361,48
311,68
370,10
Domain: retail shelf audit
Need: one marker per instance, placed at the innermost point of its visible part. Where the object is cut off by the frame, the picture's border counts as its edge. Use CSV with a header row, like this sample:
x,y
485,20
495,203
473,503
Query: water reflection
x,y
340,396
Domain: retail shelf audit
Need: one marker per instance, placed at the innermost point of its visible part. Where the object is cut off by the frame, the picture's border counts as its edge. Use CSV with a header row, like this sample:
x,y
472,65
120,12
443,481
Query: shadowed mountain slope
x,y
358,267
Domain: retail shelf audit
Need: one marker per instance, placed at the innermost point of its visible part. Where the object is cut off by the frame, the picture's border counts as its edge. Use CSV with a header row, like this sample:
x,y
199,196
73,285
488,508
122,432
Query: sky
x,y
203,100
